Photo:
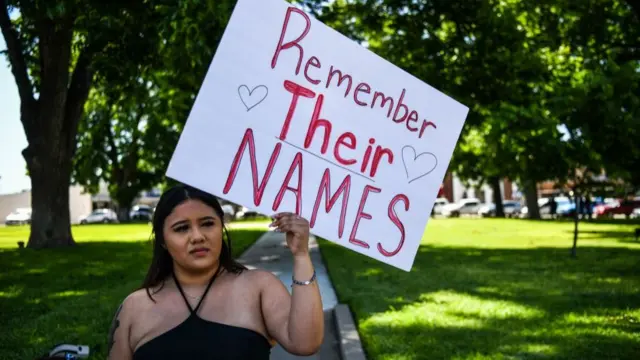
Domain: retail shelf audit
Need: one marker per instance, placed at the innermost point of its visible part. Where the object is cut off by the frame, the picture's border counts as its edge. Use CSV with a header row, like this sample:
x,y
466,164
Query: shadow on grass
x,y
69,295
494,303
623,236
65,295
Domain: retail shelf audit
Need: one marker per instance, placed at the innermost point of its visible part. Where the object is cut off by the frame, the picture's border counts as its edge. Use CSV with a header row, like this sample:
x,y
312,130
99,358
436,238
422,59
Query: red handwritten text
x,y
258,186
345,140
330,201
324,190
363,95
396,221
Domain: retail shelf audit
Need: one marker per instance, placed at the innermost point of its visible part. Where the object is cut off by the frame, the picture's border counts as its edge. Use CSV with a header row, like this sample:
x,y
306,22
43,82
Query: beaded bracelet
x,y
296,282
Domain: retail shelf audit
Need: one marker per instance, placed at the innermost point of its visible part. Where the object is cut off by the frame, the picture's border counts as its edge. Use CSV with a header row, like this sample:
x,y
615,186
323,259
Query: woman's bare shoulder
x,y
138,300
260,278
137,296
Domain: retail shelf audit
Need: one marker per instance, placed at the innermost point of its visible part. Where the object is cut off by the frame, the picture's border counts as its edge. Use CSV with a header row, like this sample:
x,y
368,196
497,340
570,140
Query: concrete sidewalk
x,y
270,253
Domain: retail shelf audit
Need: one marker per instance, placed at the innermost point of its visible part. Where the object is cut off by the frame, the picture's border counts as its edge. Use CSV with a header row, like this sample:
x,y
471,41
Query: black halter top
x,y
196,338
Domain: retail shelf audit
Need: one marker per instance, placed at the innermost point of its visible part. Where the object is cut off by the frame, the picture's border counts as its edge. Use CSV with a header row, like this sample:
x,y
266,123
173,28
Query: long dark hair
x,y
162,264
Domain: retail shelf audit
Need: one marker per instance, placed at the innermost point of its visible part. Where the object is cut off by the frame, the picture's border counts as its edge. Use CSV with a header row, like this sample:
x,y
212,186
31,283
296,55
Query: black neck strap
x,y
194,311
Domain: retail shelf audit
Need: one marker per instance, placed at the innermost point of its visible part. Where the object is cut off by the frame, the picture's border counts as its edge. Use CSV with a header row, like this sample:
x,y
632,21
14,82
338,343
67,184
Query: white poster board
x,y
293,116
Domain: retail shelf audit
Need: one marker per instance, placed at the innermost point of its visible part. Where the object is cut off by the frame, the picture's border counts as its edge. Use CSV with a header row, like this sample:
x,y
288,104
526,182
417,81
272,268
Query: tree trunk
x,y
48,155
50,122
50,221
497,196
123,213
576,217
531,195
124,197
588,207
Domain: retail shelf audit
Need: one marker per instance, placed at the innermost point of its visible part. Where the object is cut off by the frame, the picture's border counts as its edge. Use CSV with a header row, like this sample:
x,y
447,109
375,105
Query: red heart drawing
x,y
417,165
251,98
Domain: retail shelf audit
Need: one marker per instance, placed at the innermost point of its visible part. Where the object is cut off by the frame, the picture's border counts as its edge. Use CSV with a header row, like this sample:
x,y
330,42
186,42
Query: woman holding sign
x,y
197,302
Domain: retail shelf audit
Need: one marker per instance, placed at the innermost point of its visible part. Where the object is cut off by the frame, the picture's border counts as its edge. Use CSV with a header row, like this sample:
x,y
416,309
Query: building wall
x,y
455,191
447,187
458,189
547,189
10,202
79,203
103,200
507,189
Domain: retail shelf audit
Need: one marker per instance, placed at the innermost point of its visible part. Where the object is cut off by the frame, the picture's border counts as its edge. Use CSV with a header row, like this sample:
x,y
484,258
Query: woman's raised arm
x,y
296,320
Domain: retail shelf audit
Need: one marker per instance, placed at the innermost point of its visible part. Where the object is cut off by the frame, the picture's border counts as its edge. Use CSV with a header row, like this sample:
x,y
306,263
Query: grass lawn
x,y
70,295
498,289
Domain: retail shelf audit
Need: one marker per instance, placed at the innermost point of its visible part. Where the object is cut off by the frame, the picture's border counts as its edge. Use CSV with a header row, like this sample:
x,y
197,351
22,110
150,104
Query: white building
x,y
81,203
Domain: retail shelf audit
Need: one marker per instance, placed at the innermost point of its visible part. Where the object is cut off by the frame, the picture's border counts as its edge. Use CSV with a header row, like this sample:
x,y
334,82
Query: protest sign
x,y
293,116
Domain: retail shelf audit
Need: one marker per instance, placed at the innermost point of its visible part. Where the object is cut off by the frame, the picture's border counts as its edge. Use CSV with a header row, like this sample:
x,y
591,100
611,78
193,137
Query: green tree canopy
x,y
134,117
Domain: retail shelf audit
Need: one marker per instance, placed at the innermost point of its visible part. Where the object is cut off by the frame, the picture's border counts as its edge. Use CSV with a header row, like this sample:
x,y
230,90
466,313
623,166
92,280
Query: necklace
x,y
196,298
193,297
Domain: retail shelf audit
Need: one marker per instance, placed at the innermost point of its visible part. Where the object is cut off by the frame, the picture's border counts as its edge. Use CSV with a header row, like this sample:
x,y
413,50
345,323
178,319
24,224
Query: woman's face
x,y
193,236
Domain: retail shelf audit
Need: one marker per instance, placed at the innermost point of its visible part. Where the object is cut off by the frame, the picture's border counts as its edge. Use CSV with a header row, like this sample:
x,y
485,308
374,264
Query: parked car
x,y
464,207
511,209
566,210
544,206
618,207
438,204
569,209
104,216
19,216
141,213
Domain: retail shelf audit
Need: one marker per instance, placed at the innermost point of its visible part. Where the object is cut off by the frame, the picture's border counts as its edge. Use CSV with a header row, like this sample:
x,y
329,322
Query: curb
x,y
348,338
